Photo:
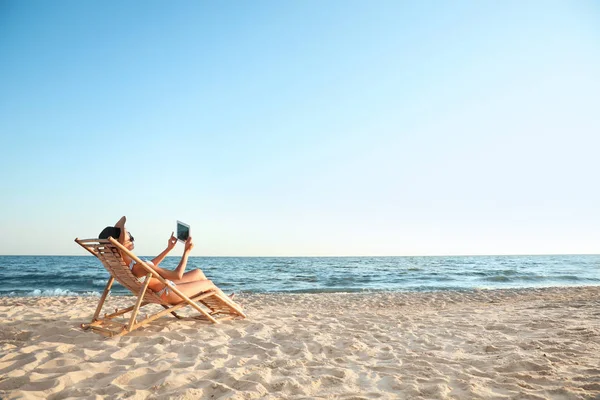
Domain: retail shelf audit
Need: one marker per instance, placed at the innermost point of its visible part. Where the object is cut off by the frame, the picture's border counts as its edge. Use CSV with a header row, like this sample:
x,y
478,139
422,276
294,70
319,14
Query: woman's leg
x,y
190,276
197,275
190,289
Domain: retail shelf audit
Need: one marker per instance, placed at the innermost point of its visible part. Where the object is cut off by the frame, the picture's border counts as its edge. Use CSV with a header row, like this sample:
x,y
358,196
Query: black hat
x,y
110,231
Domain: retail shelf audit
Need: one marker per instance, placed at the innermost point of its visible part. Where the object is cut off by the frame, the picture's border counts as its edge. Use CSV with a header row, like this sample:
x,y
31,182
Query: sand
x,y
500,344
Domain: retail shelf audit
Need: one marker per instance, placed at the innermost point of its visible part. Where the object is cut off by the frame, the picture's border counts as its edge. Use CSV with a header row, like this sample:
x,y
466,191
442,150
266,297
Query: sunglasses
x,y
131,239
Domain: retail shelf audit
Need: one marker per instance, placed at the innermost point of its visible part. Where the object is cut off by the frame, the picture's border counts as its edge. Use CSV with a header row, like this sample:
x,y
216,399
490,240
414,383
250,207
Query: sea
x,y
85,275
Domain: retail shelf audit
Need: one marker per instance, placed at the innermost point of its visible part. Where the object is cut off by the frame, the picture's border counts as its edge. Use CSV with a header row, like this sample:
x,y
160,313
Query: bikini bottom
x,y
165,290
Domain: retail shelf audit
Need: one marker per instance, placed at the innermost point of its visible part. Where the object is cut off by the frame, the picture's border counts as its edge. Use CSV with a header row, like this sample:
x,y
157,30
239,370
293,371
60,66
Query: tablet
x,y
183,231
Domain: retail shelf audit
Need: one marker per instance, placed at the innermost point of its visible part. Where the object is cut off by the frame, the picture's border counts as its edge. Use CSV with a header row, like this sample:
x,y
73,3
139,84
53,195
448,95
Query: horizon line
x,y
330,256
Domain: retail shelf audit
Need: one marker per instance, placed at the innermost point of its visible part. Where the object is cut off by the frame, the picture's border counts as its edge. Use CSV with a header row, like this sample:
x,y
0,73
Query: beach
x,y
479,344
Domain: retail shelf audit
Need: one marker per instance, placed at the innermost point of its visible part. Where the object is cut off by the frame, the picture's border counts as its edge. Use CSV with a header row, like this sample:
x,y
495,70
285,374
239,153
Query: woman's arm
x,y
122,237
170,245
177,273
121,225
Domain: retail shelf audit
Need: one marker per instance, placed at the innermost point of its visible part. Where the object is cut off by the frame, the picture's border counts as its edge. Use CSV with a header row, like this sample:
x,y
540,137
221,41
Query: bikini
x,y
142,279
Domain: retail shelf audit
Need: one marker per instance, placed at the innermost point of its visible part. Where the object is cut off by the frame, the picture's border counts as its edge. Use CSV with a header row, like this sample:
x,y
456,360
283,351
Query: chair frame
x,y
108,251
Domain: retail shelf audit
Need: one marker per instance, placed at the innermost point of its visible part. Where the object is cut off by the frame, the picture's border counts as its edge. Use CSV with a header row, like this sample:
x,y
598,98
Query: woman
x,y
189,283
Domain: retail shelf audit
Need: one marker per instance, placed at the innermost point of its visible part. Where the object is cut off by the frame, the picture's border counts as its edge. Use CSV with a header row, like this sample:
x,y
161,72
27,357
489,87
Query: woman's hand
x,y
172,241
121,223
189,245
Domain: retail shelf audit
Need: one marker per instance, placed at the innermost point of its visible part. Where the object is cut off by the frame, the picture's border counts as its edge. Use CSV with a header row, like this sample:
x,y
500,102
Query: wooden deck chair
x,y
212,305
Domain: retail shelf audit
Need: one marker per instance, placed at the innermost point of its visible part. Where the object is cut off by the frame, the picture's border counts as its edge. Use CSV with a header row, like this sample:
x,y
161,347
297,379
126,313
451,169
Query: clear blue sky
x,y
302,127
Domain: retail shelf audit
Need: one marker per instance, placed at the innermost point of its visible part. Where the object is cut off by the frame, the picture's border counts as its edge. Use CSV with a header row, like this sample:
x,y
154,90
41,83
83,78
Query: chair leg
x,y
103,298
135,310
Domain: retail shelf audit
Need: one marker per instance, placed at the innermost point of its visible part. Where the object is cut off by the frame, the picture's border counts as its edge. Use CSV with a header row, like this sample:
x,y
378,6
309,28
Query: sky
x,y
302,128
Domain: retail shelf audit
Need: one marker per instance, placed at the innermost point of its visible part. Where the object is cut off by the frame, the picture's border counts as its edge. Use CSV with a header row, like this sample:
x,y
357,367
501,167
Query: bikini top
x,y
150,263
165,290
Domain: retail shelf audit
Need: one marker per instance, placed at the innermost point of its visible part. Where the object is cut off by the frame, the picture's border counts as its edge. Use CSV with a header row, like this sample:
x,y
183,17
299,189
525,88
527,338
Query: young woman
x,y
189,283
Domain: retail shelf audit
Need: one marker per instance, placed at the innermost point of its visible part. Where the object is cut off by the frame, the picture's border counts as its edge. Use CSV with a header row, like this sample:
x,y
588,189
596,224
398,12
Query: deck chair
x,y
212,305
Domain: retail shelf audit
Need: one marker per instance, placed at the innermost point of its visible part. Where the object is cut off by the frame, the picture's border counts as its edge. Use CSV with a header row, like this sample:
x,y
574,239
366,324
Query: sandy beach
x,y
496,344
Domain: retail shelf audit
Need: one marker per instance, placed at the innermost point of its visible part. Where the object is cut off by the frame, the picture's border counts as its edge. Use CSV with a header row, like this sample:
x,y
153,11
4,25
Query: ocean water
x,y
85,275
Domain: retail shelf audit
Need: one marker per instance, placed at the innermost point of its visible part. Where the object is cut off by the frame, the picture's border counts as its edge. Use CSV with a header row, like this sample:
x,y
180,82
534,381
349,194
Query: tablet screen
x,y
183,231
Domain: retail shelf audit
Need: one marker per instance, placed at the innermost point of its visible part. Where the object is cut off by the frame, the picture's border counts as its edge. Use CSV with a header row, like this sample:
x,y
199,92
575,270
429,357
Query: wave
x,y
569,278
533,278
497,278
50,293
